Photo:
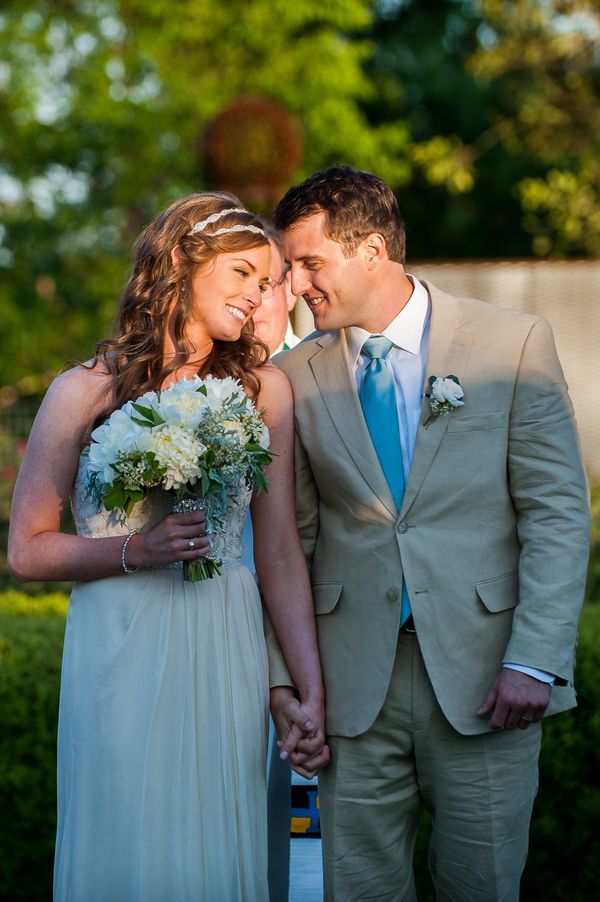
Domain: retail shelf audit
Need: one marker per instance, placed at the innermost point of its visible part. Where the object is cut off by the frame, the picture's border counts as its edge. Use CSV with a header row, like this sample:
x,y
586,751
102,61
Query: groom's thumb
x,y
488,704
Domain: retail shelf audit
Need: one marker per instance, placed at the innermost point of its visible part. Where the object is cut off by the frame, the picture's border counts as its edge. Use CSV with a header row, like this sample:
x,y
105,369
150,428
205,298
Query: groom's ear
x,y
373,250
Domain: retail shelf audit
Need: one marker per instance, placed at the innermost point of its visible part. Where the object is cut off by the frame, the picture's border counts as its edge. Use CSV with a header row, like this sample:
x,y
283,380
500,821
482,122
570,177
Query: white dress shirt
x,y
409,334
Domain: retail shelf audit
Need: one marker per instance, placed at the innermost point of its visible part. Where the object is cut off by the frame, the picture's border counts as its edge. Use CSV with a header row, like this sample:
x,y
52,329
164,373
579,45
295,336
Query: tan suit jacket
x,y
492,535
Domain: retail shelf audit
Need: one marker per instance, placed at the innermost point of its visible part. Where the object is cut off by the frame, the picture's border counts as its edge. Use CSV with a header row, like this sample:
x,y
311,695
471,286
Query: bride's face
x,y
227,291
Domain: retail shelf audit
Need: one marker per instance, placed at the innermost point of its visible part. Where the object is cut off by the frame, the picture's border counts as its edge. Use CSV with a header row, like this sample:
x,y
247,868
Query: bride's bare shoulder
x,y
275,396
84,389
273,379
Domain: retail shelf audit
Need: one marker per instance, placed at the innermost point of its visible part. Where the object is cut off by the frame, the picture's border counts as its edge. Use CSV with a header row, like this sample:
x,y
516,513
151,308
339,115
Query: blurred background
x,y
484,118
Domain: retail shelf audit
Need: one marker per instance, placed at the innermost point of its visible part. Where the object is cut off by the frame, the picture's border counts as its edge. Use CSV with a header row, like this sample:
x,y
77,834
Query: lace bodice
x,y
93,521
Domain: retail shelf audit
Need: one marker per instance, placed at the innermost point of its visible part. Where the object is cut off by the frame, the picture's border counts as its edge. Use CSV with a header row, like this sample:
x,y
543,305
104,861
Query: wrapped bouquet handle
x,y
205,567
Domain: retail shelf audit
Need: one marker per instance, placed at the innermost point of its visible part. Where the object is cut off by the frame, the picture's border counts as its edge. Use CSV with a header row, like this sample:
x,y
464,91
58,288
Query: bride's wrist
x,y
132,556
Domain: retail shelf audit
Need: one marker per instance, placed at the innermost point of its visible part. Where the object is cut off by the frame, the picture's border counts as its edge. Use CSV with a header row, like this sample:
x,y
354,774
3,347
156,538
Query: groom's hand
x,y
515,700
300,731
309,767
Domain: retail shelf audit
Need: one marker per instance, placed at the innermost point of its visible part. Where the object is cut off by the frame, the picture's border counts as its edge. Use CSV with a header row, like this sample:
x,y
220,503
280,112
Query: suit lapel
x,y
333,373
449,346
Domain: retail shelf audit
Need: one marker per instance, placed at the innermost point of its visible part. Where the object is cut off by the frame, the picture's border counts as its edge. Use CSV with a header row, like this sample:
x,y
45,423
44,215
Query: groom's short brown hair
x,y
355,204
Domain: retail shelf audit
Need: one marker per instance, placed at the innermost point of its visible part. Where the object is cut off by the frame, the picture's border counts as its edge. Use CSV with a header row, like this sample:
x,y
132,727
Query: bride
x,y
164,694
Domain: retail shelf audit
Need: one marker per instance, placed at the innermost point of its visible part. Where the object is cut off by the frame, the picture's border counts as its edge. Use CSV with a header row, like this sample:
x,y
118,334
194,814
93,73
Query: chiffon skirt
x,y
162,741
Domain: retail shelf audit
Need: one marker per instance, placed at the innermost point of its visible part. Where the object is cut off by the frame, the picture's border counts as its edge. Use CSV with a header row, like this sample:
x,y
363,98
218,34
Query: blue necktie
x,y
378,399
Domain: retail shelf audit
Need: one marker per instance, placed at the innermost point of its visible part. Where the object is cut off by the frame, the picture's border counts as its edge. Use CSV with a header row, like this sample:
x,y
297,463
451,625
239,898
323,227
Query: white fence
x,y
567,293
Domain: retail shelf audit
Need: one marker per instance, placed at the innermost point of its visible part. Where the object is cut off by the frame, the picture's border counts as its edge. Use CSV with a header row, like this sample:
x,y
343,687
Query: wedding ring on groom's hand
x,y
527,719
191,544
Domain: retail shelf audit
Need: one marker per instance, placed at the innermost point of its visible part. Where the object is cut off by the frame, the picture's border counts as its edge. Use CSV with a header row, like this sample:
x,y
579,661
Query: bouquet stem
x,y
205,567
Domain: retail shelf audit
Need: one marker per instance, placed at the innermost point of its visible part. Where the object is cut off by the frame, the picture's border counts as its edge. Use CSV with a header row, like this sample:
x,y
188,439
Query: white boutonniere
x,y
445,393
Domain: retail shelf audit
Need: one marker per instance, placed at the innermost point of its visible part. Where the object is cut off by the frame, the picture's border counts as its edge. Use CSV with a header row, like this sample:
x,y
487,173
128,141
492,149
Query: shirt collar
x,y
405,330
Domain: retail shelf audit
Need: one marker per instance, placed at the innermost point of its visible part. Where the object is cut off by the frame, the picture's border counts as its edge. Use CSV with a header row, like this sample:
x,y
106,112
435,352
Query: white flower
x,y
447,390
236,429
220,390
148,399
118,434
179,451
264,438
182,404
258,431
445,394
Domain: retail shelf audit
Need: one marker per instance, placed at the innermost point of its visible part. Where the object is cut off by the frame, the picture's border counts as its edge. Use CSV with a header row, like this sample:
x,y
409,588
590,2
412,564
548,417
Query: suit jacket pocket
x,y
326,596
491,420
499,594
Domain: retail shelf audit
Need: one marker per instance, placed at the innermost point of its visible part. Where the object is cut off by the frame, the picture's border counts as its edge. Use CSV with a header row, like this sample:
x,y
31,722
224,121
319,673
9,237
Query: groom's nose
x,y
300,281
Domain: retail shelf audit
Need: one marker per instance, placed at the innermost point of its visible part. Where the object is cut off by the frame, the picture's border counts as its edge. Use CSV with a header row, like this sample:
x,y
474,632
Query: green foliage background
x,y
483,116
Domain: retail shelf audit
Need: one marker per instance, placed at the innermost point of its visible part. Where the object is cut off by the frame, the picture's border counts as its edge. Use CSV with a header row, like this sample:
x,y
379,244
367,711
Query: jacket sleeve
x,y
307,502
549,492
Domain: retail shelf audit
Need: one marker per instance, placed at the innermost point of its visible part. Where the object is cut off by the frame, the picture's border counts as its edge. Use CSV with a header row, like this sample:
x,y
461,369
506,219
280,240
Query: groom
x,y
442,506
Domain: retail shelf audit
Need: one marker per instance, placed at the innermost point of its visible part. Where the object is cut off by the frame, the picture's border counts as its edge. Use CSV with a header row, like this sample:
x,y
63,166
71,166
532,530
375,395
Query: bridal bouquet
x,y
200,439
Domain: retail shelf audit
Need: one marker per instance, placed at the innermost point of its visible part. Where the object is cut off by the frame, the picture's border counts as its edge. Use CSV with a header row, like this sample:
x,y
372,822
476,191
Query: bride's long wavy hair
x,y
134,356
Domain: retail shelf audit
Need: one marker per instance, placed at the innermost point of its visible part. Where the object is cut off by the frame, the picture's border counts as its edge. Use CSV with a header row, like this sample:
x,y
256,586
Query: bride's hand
x,y
300,729
178,537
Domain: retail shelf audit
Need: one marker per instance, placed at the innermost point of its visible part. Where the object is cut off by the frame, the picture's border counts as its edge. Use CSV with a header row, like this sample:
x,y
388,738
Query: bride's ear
x,y
175,258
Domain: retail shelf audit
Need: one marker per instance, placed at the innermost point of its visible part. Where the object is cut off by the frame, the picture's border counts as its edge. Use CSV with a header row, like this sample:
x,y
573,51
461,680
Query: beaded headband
x,y
200,226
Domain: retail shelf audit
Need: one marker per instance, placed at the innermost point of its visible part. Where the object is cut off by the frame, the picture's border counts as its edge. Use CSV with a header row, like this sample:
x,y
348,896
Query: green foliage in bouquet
x,y
133,469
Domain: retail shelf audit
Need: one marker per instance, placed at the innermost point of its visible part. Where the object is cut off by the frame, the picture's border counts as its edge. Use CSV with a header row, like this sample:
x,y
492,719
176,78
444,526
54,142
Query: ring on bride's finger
x,y
191,544
527,719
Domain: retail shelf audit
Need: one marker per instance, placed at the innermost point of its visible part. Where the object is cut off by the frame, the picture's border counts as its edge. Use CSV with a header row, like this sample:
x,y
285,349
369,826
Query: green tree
x,y
419,67
502,104
109,102
543,55
481,115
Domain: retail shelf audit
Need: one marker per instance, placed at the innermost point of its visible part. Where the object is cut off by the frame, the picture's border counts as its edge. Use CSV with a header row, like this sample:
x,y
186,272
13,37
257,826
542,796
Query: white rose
x,y
182,405
118,434
447,391
148,399
219,390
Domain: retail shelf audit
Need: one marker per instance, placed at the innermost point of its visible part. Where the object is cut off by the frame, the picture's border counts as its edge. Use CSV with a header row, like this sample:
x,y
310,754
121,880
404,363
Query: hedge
x,y
31,638
565,832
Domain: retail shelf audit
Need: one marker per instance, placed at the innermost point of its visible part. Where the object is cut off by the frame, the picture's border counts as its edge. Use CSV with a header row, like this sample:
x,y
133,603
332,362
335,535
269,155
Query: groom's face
x,y
334,286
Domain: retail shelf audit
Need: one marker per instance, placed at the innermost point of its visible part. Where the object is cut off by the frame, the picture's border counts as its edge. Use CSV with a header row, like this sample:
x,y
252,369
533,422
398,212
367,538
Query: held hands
x,y
178,537
299,726
515,700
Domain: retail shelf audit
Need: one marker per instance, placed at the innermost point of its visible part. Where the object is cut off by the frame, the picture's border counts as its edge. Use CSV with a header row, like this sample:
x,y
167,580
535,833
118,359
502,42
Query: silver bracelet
x,y
124,549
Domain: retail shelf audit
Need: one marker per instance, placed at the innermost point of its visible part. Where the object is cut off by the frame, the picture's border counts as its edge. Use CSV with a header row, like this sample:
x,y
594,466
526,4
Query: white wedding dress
x,y
162,728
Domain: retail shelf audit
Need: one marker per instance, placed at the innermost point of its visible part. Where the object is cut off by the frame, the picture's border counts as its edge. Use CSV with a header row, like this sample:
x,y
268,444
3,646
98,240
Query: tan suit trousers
x,y
478,789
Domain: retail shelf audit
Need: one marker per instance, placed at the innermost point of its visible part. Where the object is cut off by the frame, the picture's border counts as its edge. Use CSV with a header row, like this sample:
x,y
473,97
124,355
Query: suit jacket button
x,y
402,526
392,594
